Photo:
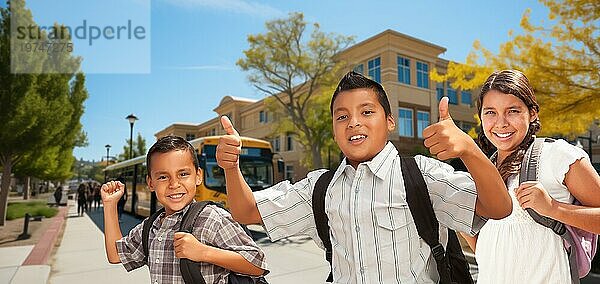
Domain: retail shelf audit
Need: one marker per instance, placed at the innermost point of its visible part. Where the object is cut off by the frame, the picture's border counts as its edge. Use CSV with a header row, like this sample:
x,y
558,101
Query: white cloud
x,y
236,6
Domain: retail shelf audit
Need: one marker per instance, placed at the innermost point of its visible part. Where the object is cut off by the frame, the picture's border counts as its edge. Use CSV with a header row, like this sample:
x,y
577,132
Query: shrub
x,y
36,208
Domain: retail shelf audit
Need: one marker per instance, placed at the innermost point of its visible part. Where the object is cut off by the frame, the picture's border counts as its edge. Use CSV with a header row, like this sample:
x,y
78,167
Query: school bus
x,y
256,164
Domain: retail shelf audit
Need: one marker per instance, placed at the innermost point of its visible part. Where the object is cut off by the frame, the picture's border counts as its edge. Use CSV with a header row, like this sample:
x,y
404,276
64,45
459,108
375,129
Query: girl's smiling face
x,y
505,121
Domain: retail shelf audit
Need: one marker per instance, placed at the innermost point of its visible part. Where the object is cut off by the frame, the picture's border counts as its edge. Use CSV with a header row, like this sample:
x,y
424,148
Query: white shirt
x,y
373,234
516,249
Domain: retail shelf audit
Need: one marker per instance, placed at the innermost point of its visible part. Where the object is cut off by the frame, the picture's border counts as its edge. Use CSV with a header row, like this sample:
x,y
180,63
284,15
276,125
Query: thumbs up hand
x,y
229,147
444,139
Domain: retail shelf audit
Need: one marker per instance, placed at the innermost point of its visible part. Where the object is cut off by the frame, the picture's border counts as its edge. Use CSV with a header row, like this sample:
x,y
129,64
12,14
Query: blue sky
x,y
194,45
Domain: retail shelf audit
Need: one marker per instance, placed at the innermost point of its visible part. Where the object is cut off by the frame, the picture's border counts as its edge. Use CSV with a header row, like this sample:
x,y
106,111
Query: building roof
x,y
441,49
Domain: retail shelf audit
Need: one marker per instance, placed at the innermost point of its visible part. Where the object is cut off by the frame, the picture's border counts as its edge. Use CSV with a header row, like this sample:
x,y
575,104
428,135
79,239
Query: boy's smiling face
x,y
174,179
360,126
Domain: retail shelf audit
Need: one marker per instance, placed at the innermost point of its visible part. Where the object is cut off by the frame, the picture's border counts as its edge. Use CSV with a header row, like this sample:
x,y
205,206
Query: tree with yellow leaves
x,y
562,62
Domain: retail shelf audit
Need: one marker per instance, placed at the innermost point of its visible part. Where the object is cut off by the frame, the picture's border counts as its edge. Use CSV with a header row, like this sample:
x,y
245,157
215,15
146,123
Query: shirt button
x,y
159,239
357,229
362,270
156,260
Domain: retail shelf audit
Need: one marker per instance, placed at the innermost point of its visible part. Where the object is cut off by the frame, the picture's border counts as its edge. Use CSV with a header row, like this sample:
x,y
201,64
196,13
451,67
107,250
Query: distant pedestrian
x,y
81,199
90,195
58,195
97,196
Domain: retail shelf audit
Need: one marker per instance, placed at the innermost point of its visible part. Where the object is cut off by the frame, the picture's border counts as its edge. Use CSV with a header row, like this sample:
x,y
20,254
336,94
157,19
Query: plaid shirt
x,y
213,226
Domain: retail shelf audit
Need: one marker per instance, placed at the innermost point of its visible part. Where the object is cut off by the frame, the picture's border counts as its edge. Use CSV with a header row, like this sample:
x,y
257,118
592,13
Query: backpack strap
x,y
321,220
529,172
421,209
146,232
190,270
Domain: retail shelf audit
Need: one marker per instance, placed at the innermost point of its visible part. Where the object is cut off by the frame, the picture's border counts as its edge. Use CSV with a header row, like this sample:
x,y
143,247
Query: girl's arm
x,y
584,184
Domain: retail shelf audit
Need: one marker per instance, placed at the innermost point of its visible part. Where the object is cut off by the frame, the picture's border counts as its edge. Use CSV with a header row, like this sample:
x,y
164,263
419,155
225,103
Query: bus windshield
x,y
255,164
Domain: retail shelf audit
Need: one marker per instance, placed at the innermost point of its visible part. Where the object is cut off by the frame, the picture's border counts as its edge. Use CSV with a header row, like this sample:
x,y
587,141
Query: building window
x,y
263,117
213,132
465,97
289,145
359,68
451,94
289,173
439,88
276,144
422,122
375,69
405,122
422,75
189,136
403,70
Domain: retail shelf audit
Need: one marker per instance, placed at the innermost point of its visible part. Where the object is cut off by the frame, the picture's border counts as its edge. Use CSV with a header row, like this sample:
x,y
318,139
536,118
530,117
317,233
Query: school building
x,y
399,62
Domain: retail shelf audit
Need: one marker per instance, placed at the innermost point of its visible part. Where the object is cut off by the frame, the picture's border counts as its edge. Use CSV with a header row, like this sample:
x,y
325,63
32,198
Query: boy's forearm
x,y
231,260
493,200
112,232
240,198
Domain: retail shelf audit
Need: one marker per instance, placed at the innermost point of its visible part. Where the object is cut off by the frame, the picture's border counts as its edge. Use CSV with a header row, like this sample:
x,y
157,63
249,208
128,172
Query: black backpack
x,y
190,270
451,263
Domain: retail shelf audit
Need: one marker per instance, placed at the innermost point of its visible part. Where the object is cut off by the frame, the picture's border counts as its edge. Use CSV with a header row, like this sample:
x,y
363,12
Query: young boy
x,y
373,234
217,241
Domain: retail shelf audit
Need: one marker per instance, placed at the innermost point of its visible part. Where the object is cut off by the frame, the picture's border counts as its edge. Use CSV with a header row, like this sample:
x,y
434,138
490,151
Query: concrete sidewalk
x,y
81,256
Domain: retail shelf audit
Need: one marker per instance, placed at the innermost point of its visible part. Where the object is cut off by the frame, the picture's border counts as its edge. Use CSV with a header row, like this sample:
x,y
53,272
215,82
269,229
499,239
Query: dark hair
x,y
353,80
512,82
171,143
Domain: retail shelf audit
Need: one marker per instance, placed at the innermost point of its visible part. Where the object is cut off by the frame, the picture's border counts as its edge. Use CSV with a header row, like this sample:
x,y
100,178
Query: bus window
x,y
257,173
214,177
255,163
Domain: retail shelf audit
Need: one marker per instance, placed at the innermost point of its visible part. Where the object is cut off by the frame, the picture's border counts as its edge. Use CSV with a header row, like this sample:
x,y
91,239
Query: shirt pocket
x,y
393,216
395,243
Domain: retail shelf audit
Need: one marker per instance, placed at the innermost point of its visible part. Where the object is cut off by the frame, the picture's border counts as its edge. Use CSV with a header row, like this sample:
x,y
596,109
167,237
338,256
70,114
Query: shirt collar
x,y
379,165
177,216
382,162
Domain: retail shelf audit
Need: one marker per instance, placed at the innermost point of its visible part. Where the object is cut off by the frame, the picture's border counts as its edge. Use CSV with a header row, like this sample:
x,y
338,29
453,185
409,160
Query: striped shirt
x,y
213,226
373,234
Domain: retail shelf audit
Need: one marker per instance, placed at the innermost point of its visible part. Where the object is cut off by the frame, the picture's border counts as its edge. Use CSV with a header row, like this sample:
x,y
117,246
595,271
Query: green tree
x,y
139,148
561,60
291,69
40,111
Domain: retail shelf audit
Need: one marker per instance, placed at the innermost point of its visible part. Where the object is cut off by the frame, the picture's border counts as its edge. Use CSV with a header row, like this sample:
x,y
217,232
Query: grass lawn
x,y
34,208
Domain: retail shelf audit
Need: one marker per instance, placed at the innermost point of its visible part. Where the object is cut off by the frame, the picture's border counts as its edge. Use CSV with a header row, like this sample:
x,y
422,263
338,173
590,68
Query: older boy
x,y
217,241
373,234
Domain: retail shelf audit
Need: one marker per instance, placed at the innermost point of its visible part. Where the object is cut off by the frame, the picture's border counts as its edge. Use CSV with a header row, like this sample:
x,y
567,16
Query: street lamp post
x,y
132,118
107,146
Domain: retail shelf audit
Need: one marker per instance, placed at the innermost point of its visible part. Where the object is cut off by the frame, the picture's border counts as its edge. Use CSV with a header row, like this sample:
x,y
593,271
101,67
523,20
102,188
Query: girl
x,y
516,249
